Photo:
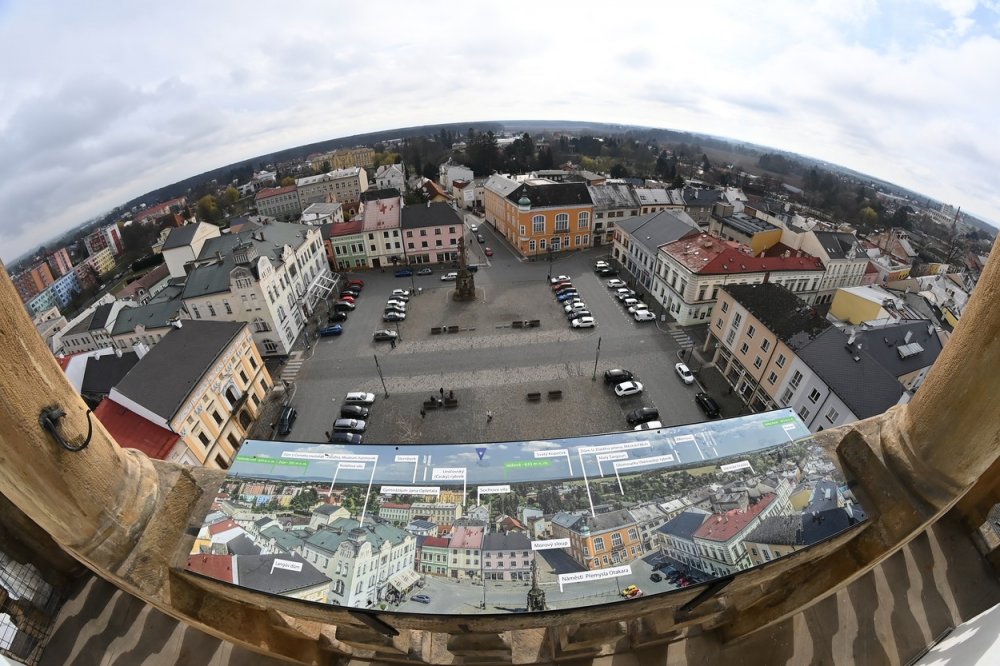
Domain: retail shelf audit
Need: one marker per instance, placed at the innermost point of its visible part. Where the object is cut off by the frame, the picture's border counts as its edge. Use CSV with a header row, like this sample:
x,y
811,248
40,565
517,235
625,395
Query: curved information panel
x,y
521,526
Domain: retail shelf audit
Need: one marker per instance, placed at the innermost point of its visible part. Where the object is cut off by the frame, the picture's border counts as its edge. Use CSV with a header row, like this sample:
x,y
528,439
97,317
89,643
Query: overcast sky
x,y
101,102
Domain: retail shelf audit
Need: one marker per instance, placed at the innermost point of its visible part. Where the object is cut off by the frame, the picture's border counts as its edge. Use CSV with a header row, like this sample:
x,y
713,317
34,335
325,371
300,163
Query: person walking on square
x,y
451,395
441,390
423,412
489,415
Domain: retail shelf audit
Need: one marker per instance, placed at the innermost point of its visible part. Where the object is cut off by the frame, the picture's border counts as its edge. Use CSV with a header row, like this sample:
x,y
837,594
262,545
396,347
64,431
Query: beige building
x,y
341,186
204,381
278,202
183,244
345,158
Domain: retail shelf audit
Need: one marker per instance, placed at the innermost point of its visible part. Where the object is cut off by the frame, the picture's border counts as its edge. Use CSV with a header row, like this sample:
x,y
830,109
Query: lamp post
x,y
597,355
381,378
550,260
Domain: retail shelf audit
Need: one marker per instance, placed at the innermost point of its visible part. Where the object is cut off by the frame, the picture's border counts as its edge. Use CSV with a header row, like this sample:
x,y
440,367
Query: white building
x,y
390,175
322,213
183,245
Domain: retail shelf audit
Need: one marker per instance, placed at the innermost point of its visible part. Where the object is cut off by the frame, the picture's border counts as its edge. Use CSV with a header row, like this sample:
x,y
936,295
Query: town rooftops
x,y
684,524
658,196
745,224
269,192
429,215
336,174
548,195
801,529
501,184
219,567
612,195
339,229
156,314
903,347
508,541
657,229
134,432
790,318
105,371
167,374
722,527
147,281
259,573
383,193
180,236
697,197
343,530
326,510
711,255
467,537
435,542
836,244
382,214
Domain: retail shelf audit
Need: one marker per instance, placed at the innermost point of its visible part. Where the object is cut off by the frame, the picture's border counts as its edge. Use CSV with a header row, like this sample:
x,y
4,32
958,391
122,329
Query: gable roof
x,y
836,244
887,345
684,524
656,229
339,229
696,197
161,272
181,236
219,567
167,374
155,314
376,194
133,431
546,195
790,318
722,527
612,195
508,541
104,372
259,573
429,215
711,255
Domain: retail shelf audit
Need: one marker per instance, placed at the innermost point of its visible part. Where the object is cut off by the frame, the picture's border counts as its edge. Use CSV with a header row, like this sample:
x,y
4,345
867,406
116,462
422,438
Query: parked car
x,y
398,305
405,272
345,438
481,239
649,425
384,335
449,277
286,419
615,283
635,307
425,271
567,295
336,316
559,278
556,286
473,228
642,414
356,283
600,263
628,388
576,314
607,272
343,306
623,294
353,293
421,598
643,315
584,322
562,290
350,425
393,315
472,268
359,398
684,373
327,331
354,412
347,297
488,252
401,294
632,592
655,577
708,405
629,301
575,305
617,376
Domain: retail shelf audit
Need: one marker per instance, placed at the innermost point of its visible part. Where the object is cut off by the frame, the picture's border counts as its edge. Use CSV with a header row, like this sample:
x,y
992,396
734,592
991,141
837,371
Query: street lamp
x,y
550,260
379,369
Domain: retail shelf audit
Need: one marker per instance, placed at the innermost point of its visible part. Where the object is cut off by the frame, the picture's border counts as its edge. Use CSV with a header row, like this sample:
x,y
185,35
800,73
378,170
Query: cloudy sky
x,y
101,102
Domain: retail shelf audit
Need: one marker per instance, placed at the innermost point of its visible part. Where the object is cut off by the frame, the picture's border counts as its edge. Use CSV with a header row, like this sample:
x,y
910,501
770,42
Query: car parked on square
x,y
617,376
404,272
449,277
384,335
628,388
584,322
615,283
708,405
642,414
643,315
328,331
684,373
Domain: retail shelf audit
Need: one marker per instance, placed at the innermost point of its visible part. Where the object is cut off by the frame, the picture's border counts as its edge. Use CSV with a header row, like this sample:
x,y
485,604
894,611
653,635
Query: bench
x,y
517,324
453,329
435,330
430,404
555,395
535,323
534,397
451,402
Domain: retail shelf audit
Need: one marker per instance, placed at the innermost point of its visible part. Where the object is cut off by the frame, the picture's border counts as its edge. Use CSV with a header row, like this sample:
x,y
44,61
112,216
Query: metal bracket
x,y
49,421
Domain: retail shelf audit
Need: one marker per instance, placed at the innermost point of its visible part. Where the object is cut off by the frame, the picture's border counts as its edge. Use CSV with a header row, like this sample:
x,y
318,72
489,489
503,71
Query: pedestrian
x,y
392,343
489,415
423,412
441,390
451,395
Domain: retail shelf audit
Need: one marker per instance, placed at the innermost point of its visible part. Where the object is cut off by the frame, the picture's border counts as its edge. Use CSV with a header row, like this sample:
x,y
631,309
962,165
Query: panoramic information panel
x,y
521,526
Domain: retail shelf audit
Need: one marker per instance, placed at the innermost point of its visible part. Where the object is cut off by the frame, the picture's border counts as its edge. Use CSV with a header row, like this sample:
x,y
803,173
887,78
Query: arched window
x,y
538,224
562,222
584,220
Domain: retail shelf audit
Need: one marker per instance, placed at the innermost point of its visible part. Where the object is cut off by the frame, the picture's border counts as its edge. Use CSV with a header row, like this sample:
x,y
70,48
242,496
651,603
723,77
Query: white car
x,y
396,305
644,315
401,294
615,283
649,425
684,373
576,305
559,278
359,397
473,228
628,388
602,264
635,307
449,277
584,322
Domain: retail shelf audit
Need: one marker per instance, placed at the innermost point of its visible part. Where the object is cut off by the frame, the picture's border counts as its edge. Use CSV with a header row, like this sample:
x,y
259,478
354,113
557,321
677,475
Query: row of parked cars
x,y
629,300
343,306
574,307
353,418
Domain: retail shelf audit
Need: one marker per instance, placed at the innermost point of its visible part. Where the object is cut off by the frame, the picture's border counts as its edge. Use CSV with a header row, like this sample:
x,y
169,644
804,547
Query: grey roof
x,y
566,519
836,244
242,545
156,314
165,376
103,372
745,224
429,215
543,195
883,344
260,522
81,326
287,542
646,512
612,195
210,275
180,236
375,195
326,509
100,318
824,497
421,525
790,318
258,573
501,184
801,529
509,541
655,229
611,520
684,524
863,385
697,197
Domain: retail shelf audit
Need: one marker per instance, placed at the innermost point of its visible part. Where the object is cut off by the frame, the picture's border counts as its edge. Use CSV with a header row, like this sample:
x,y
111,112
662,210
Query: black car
x,y
343,306
607,272
353,412
353,292
345,438
384,335
336,317
286,419
617,376
479,237
655,577
708,405
642,415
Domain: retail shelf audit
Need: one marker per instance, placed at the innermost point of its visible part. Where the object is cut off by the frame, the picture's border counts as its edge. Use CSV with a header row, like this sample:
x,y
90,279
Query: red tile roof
x,y
467,537
222,526
724,526
135,432
436,542
219,567
394,505
711,255
343,228
273,192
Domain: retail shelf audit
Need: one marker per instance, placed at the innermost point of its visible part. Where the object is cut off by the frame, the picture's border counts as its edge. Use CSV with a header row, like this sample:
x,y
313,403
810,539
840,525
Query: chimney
x,y
140,349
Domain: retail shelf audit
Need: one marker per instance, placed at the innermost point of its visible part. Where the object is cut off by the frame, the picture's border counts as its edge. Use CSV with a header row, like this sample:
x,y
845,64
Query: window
x,y
537,225
531,246
744,348
225,303
751,331
584,220
562,222
757,362
633,534
216,416
197,314
616,539
253,362
203,438
520,229
765,345
725,306
796,379
781,361
814,395
737,320
730,337
211,310
718,323
771,378
598,544
832,415
804,413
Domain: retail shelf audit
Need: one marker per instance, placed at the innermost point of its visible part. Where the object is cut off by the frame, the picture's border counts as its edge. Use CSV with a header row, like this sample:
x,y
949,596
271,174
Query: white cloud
x,y
106,103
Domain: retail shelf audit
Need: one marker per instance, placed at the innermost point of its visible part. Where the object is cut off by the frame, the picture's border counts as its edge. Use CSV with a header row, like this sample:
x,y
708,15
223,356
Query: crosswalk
x,y
682,339
292,366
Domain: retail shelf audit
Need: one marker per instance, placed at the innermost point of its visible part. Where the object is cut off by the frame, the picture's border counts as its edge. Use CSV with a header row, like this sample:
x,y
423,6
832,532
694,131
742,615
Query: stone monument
x,y
536,595
465,285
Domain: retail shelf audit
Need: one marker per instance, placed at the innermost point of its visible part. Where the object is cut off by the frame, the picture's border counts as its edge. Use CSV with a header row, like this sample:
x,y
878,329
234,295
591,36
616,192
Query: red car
x,y
346,297
488,252
356,283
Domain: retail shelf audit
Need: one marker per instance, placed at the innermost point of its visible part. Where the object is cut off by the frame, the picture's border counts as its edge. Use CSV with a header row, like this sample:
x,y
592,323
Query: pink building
x,y
466,549
431,233
59,262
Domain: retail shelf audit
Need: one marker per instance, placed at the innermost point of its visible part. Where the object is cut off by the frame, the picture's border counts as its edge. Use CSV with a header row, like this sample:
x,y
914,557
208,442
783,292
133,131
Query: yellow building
x,y
539,216
859,304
